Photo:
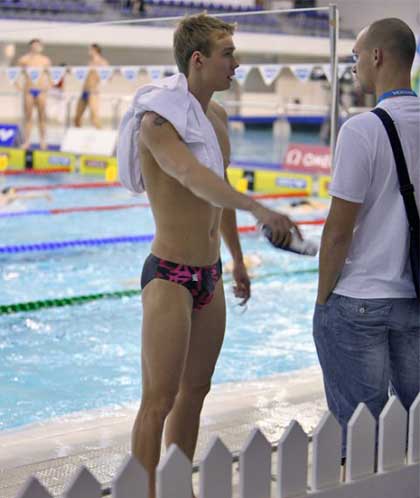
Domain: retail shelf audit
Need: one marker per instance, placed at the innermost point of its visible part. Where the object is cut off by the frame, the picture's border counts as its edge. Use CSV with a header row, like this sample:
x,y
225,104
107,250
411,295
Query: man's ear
x,y
196,59
378,56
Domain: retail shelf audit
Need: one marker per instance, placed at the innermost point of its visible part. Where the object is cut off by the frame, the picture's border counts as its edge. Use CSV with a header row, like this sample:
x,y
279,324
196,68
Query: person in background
x,y
367,319
35,91
89,98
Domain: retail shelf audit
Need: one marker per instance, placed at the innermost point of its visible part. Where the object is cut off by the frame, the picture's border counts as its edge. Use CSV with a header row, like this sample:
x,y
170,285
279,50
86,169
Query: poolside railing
x,y
388,468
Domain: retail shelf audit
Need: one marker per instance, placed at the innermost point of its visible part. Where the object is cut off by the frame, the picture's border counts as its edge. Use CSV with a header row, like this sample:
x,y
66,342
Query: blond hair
x,y
197,33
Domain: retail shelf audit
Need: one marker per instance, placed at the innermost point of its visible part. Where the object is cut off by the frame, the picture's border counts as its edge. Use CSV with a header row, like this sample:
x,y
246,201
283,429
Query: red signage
x,y
308,159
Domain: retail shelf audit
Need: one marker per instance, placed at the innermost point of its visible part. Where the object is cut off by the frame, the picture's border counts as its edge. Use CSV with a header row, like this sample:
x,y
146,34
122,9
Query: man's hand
x,y
322,300
280,224
242,287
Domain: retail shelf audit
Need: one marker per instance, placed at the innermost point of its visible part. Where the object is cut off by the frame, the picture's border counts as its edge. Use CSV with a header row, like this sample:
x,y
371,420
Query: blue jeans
x,y
367,347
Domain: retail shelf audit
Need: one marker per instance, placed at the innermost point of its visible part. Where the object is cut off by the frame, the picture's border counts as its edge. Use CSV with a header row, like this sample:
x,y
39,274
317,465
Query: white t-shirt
x,y
378,263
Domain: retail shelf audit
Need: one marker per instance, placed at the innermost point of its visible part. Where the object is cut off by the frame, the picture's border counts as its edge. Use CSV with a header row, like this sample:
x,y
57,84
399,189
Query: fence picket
x,y
395,477
174,475
255,467
414,432
392,435
33,489
360,444
83,485
131,480
292,462
216,471
326,457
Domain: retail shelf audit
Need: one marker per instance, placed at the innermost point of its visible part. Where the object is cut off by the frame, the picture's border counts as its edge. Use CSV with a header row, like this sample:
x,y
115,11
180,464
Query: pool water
x,y
59,360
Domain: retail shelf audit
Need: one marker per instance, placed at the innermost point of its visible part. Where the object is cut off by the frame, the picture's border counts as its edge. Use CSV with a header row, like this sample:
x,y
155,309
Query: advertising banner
x,y
9,135
313,159
45,160
14,159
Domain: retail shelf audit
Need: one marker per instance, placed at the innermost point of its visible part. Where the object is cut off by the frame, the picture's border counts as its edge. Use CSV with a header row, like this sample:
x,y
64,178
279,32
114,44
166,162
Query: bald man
x,y
367,318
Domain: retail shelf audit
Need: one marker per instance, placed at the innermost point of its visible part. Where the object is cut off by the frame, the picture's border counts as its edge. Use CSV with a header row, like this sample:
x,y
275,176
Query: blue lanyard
x,y
401,92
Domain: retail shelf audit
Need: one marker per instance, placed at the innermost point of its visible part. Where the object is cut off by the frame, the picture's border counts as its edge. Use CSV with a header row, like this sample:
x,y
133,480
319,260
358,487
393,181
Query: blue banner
x,y
9,135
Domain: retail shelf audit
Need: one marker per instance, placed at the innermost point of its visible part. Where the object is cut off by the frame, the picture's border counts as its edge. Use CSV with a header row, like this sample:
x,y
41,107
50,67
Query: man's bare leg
x,y
80,109
166,326
42,119
94,110
207,333
28,105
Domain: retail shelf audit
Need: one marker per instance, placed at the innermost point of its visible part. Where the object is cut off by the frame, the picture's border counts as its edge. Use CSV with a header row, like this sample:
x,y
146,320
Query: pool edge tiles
x,y
231,411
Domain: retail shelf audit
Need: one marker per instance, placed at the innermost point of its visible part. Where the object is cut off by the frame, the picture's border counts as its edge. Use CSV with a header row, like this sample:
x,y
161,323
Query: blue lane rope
x,y
51,246
32,212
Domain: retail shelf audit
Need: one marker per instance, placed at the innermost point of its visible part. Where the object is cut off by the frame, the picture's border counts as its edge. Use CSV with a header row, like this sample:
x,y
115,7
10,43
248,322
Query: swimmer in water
x,y
9,195
303,206
251,261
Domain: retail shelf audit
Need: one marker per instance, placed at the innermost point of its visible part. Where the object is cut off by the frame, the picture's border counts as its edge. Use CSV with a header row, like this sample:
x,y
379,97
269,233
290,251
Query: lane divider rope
x,y
51,246
8,309
81,209
58,186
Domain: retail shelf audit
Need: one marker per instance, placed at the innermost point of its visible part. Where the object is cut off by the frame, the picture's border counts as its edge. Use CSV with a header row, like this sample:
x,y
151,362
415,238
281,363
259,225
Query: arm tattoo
x,y
159,120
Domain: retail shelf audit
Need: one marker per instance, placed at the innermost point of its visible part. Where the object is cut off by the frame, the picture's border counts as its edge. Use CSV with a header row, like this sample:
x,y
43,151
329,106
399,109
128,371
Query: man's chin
x,y
224,87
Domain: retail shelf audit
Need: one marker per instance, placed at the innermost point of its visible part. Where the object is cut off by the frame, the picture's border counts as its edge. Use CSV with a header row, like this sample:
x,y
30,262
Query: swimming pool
x,y
58,360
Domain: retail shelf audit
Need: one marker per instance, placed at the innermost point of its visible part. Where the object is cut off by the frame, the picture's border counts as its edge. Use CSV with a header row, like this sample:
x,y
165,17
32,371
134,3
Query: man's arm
x,y
229,227
176,160
336,240
22,62
229,230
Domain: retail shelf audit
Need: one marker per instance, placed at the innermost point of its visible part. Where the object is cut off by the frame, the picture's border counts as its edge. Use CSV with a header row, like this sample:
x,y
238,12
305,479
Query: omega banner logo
x,y
308,158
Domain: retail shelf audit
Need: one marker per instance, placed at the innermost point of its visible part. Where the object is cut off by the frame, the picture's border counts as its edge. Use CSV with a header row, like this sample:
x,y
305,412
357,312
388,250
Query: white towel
x,y
170,99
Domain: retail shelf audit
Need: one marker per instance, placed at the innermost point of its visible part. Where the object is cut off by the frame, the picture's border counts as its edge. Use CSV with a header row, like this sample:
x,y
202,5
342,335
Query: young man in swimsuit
x,y
35,91
89,97
183,299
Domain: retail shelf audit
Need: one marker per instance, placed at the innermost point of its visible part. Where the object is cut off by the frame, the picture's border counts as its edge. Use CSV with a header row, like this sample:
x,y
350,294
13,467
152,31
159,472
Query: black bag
x,y
407,191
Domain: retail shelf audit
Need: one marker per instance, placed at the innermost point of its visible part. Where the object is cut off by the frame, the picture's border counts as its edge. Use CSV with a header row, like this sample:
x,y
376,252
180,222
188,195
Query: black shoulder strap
x,y
407,191
406,187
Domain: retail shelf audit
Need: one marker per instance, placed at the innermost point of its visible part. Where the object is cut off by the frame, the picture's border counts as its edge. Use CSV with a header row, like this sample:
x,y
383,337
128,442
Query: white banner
x,y
13,73
130,73
104,72
327,71
80,72
342,68
89,140
302,71
241,73
57,73
34,73
269,72
155,72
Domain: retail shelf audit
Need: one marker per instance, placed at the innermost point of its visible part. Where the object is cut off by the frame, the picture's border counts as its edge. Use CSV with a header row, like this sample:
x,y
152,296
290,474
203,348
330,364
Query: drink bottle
x,y
296,245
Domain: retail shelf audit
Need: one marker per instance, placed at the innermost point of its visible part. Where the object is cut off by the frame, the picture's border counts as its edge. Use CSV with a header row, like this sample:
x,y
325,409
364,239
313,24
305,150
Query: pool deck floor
x,y
100,440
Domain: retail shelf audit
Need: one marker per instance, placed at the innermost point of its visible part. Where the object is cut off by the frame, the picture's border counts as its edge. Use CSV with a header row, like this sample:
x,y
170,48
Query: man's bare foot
x,y
25,146
43,146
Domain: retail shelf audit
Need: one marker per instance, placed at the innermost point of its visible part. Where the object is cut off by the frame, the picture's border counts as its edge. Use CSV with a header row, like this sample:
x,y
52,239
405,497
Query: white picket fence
x,y
397,474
